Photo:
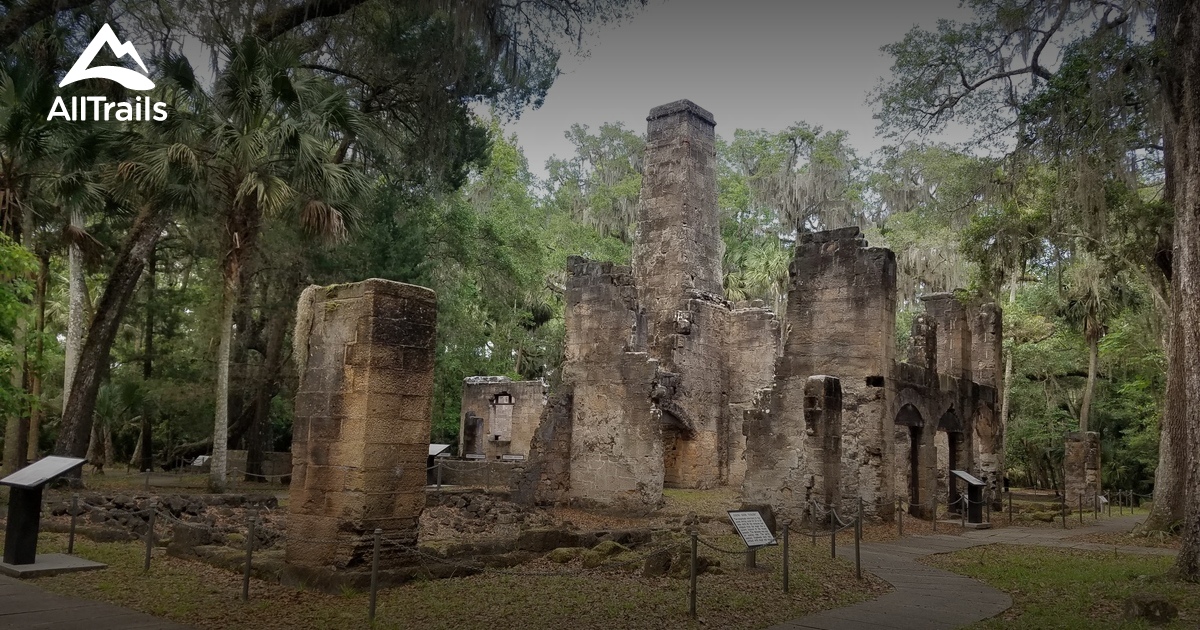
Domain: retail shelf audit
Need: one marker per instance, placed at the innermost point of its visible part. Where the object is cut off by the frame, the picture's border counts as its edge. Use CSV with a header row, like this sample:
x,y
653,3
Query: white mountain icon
x,y
130,79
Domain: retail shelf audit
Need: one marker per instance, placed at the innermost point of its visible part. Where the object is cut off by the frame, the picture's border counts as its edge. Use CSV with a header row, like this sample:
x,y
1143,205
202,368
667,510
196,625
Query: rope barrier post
x,y
1095,506
988,506
899,518
1010,507
812,520
1120,503
934,502
692,582
751,558
147,481
250,518
74,515
1063,499
857,538
1108,504
962,510
438,463
787,525
1081,508
150,536
374,575
832,532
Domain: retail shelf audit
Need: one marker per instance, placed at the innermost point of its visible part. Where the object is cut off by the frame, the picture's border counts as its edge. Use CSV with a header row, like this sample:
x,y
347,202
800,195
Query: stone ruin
x,y
1081,465
499,417
361,429
665,382
668,384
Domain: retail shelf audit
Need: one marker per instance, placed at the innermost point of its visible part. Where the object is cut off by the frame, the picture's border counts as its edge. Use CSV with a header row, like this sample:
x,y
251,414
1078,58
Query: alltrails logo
x,y
140,108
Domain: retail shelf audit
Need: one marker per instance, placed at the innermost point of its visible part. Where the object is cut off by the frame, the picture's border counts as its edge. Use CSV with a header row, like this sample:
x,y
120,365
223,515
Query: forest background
x,y
151,272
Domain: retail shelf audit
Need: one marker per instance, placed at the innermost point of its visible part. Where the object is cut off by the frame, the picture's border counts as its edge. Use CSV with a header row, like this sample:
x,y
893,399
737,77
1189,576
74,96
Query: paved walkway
x,y
926,598
24,606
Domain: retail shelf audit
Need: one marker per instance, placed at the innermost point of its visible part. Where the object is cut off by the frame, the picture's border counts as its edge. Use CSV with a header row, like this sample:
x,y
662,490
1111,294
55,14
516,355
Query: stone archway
x,y
910,434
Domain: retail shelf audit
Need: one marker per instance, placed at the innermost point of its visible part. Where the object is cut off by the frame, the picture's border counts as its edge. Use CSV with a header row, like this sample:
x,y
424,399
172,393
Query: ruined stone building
x,y
669,384
499,416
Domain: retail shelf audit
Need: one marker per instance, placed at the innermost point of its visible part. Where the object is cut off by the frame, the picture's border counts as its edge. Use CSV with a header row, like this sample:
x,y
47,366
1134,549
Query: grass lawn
x,y
1066,588
206,597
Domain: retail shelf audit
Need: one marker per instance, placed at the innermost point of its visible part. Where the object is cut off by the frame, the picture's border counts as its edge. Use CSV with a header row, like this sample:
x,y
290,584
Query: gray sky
x,y
752,63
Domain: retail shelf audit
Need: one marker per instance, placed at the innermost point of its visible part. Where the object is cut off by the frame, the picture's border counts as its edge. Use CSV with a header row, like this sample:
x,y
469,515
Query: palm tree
x,y
275,134
1092,298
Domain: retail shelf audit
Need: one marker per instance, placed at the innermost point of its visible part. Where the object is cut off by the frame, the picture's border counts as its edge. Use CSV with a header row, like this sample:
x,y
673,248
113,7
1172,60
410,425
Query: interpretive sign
x,y
968,477
512,458
25,506
475,456
752,528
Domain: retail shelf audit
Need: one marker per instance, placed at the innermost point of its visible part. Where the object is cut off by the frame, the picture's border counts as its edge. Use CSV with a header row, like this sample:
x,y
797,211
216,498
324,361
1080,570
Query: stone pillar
x,y
678,247
361,433
953,334
1081,468
823,425
922,349
842,319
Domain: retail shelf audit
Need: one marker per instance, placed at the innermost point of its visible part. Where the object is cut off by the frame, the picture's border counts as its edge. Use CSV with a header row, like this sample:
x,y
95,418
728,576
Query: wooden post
x,y
150,536
857,539
692,582
832,533
250,517
900,518
786,526
74,515
375,573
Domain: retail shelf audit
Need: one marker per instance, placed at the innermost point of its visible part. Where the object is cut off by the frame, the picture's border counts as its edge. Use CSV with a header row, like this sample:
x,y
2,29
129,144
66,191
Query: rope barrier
x,y
740,552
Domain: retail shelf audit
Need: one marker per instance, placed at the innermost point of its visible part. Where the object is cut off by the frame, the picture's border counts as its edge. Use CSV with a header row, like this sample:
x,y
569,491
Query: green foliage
x,y
17,268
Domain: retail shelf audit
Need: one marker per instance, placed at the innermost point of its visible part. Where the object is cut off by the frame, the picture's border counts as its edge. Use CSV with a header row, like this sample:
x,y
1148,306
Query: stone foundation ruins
x,y
672,385
499,417
361,430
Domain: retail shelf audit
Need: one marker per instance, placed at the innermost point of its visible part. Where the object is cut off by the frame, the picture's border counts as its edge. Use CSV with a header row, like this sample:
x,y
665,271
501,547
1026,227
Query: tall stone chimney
x,y
678,247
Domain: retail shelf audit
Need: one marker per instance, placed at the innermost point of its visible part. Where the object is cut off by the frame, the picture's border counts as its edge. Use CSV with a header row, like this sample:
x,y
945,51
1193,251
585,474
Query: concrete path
x,y
926,598
24,606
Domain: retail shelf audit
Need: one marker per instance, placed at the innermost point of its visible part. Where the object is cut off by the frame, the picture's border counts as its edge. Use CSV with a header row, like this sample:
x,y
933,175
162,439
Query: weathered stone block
x,y
363,419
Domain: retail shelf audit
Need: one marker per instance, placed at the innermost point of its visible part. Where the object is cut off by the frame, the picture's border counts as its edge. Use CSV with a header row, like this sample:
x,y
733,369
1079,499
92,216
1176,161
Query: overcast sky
x,y
755,64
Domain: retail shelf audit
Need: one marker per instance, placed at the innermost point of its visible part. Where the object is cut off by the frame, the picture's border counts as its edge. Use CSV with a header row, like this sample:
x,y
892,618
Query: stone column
x,y
678,247
823,424
922,350
953,334
361,432
1081,468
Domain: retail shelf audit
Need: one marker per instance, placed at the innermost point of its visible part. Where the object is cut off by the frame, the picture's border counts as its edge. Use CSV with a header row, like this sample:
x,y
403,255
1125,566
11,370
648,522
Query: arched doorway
x,y
910,417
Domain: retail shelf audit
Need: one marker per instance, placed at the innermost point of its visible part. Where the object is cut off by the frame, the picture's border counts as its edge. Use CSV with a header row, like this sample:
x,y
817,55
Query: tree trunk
x,y
145,444
1171,474
242,225
77,290
16,428
1008,358
216,480
1085,408
36,410
258,436
77,417
1178,31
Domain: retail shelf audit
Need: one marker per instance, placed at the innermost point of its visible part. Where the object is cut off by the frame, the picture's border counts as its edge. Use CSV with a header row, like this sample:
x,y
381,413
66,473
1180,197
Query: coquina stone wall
x,y
499,416
361,432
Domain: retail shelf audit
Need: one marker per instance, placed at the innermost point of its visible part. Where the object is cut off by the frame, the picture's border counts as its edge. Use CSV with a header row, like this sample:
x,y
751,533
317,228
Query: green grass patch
x,y
206,597
1067,588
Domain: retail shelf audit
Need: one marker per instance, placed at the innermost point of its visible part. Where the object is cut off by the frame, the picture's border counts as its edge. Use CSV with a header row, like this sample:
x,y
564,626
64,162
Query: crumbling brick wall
x,y
361,431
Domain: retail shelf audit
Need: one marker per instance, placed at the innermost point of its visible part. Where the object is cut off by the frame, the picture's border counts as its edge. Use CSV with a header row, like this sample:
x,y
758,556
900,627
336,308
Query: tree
x,y
987,70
